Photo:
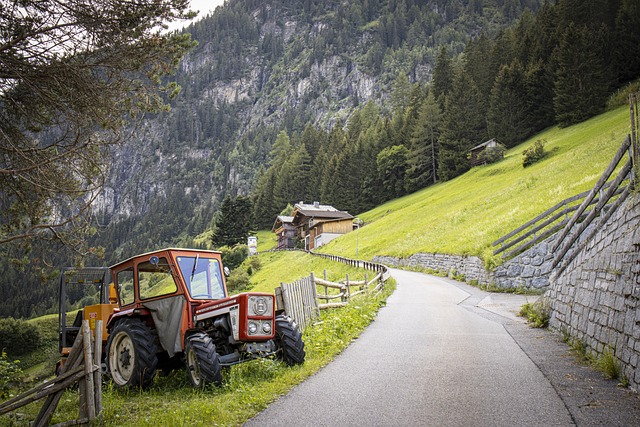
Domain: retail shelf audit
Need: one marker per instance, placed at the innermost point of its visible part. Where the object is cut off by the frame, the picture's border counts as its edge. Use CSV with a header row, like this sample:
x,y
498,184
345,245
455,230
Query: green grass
x,y
289,266
465,215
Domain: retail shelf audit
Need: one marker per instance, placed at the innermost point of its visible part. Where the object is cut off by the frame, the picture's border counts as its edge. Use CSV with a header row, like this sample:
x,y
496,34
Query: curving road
x,y
431,358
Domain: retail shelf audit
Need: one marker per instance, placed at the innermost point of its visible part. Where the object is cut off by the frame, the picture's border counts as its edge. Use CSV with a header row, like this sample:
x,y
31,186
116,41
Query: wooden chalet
x,y
285,232
475,154
318,224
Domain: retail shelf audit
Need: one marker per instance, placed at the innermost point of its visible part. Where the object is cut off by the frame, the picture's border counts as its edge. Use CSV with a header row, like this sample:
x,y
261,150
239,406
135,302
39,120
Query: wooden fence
x,y
574,213
576,226
301,299
82,367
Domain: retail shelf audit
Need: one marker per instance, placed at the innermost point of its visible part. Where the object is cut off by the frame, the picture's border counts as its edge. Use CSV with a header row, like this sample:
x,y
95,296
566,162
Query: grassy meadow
x,y
465,215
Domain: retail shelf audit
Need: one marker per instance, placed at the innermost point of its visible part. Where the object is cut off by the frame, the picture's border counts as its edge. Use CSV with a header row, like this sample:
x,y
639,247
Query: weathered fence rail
x,y
82,367
575,228
579,210
301,299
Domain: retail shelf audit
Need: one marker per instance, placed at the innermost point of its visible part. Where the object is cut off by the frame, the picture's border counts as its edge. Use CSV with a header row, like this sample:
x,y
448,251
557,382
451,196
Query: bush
x,y
238,281
534,153
254,265
537,313
18,337
493,154
10,374
233,257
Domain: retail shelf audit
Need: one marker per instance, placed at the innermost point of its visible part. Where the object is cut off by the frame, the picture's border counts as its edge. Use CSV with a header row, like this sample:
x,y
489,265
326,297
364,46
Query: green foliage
x,y
233,256
232,223
238,281
493,154
537,313
534,153
608,364
18,337
392,165
10,373
464,126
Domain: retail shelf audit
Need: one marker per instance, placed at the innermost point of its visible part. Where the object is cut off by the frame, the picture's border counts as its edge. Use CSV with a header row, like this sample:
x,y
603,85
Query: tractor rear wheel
x,y
131,354
290,347
203,364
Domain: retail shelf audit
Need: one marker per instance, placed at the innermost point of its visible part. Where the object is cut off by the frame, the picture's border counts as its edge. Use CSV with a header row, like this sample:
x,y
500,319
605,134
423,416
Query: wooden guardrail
x,y
82,367
580,210
575,228
301,300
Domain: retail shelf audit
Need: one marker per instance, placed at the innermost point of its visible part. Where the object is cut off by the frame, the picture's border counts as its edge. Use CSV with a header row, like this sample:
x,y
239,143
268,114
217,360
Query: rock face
x,y
183,162
260,67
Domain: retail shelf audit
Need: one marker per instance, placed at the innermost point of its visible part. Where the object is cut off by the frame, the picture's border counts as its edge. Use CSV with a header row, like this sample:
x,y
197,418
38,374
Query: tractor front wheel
x,y
290,347
203,364
131,354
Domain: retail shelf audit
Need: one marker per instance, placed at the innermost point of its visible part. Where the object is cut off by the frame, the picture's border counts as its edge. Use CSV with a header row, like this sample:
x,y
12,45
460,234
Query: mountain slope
x,y
465,215
263,66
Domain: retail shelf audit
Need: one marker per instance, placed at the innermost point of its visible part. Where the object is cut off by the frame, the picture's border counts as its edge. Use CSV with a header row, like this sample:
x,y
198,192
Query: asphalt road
x,y
433,357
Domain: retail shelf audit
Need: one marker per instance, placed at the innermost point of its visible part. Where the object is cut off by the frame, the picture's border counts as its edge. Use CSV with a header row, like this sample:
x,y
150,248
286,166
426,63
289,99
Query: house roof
x,y
484,144
281,219
317,210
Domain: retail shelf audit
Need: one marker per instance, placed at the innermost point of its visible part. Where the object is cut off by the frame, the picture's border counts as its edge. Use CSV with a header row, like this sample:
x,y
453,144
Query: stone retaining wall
x,y
471,267
530,269
596,299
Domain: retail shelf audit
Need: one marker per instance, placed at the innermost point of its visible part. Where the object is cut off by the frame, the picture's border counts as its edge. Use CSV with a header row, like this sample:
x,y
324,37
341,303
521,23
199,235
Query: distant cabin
x,y
314,224
285,232
475,155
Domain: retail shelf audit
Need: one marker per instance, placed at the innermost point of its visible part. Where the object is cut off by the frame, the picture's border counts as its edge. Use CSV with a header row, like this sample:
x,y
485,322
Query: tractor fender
x,y
130,312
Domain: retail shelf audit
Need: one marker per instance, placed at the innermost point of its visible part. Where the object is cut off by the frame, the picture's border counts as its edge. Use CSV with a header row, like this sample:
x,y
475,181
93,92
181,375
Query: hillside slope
x,y
465,215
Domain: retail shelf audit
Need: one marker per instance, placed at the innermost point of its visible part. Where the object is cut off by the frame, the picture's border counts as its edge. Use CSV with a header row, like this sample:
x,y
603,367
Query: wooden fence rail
x,y
580,209
301,299
82,367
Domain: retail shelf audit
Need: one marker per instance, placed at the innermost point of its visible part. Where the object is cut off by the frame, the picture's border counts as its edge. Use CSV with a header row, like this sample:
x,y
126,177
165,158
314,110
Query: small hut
x,y
477,155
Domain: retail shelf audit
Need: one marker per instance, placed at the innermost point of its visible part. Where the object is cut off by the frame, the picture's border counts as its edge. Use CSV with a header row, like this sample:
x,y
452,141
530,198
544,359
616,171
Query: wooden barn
x,y
285,232
475,154
318,224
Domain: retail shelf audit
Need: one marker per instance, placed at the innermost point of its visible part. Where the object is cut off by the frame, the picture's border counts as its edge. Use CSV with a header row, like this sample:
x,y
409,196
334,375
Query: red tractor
x,y
173,310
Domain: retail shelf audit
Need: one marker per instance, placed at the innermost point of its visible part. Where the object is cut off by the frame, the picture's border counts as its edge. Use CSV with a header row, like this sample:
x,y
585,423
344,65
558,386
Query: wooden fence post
x,y
326,289
97,360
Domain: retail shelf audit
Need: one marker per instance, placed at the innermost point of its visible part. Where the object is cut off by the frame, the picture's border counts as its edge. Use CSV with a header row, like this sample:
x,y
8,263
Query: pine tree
x,y
508,118
232,222
627,41
442,82
582,84
264,206
422,169
463,127
392,165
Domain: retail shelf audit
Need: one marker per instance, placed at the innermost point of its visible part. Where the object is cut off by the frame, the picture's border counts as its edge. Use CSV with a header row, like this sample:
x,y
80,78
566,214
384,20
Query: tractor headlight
x,y
266,328
253,328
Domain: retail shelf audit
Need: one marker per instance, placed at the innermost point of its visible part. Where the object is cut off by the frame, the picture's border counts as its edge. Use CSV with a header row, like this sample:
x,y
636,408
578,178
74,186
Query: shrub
x,y
18,337
534,153
234,256
10,373
537,313
238,281
254,264
493,154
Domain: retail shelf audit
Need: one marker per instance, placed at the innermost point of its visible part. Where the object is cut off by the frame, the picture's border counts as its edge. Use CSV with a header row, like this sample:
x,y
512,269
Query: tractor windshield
x,y
203,277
